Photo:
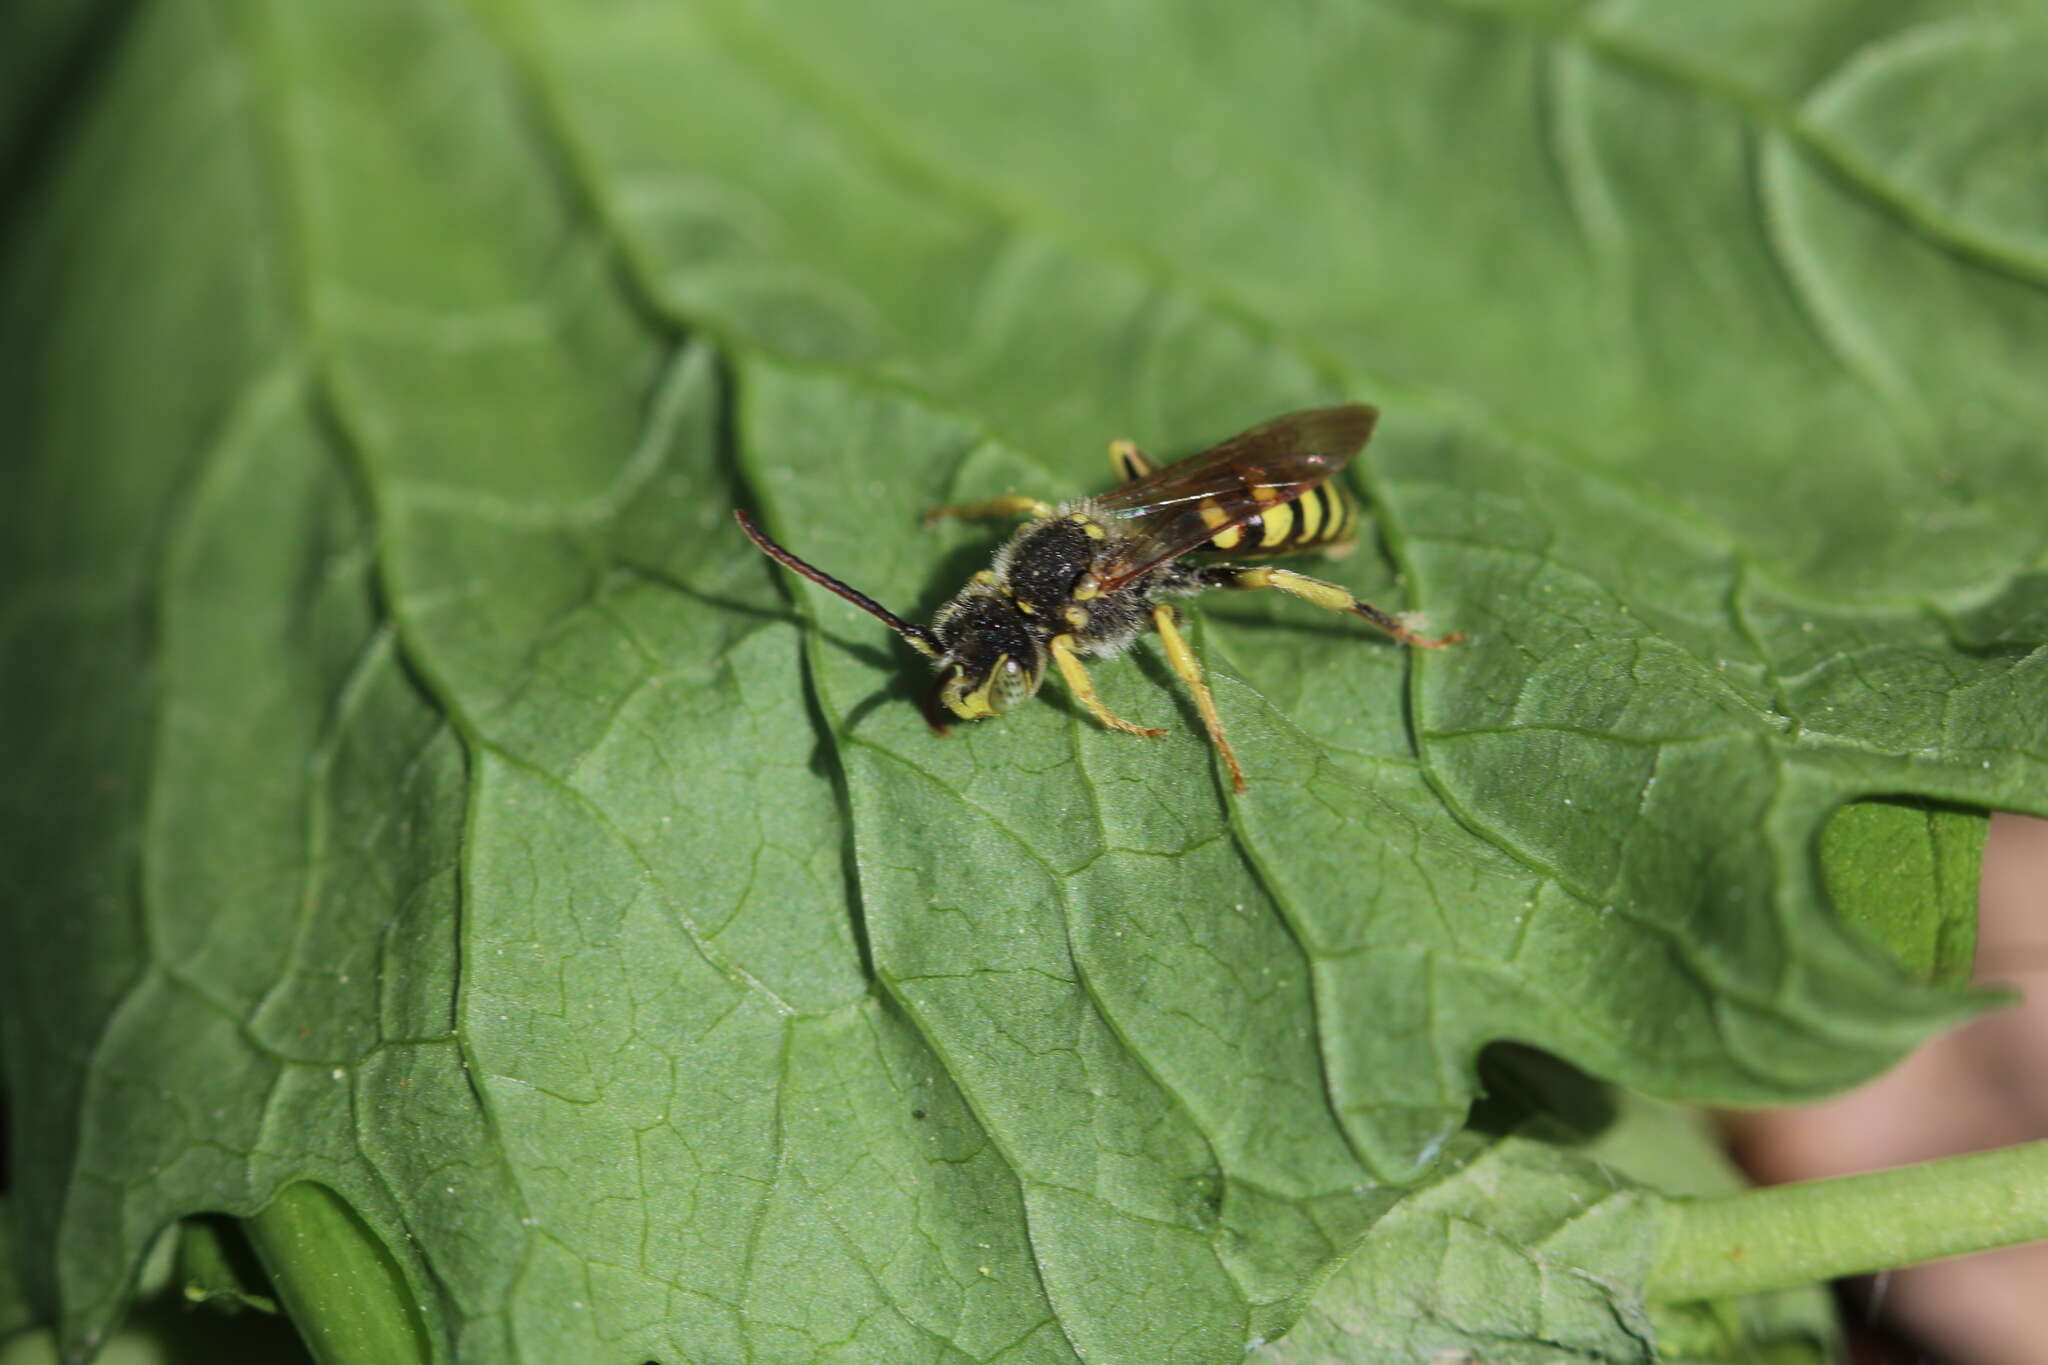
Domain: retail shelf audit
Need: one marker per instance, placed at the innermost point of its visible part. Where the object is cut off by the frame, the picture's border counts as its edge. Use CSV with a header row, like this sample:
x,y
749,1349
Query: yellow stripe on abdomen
x,y
1312,515
1322,517
1280,524
1347,520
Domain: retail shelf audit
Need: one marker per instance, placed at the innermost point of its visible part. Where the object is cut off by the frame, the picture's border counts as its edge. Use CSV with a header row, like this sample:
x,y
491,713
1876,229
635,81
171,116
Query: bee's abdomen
x,y
1322,517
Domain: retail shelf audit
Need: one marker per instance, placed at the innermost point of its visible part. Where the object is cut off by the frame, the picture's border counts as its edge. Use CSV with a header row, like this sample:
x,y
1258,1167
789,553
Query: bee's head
x,y
992,660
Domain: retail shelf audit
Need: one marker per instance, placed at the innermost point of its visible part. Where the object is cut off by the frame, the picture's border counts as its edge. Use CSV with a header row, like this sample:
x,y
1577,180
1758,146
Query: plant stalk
x,y
1788,1236
343,1292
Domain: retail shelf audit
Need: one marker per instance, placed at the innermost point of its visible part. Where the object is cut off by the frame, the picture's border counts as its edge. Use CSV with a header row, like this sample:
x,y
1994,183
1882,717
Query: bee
x,y
1084,579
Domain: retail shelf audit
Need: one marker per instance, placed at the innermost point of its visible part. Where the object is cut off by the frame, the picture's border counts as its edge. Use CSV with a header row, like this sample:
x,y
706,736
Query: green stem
x,y
343,1291
1787,1236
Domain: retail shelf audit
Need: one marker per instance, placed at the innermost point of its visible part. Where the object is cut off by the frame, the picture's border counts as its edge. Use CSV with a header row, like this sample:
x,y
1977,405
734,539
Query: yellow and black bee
x,y
1086,577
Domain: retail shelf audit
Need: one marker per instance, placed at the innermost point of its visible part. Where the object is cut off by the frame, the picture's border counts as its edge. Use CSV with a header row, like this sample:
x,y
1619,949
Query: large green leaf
x,y
421,791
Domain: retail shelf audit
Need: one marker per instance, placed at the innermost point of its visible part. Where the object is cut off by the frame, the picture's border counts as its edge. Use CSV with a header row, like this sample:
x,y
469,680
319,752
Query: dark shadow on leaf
x,y
1303,621
48,113
660,577
910,687
873,655
877,657
1160,675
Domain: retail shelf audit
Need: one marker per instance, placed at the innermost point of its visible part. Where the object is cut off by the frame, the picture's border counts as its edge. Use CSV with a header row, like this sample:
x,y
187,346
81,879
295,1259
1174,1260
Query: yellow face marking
x,y
974,705
1228,540
1279,522
1312,515
1077,617
1213,515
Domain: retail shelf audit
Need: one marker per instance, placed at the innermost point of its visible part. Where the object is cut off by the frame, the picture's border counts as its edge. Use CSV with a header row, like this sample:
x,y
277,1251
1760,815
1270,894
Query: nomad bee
x,y
1086,577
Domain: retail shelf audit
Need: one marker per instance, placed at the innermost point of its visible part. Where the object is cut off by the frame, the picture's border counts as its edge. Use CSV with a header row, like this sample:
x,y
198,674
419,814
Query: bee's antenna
x,y
920,639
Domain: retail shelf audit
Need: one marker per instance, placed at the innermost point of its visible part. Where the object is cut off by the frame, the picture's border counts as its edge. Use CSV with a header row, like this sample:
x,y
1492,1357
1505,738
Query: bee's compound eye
x,y
1009,682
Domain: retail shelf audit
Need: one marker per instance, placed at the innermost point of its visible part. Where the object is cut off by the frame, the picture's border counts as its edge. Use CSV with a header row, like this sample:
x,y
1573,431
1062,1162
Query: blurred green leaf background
x,y
418,790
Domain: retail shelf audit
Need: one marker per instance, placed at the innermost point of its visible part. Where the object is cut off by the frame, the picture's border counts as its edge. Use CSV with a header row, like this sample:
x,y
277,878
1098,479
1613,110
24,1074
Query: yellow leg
x,y
1128,461
1069,662
1334,598
1190,669
1009,505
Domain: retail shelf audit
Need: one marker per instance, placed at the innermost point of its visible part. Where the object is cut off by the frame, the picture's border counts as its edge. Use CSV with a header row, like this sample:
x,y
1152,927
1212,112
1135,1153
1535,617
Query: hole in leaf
x,y
217,1267
1902,872
1522,1083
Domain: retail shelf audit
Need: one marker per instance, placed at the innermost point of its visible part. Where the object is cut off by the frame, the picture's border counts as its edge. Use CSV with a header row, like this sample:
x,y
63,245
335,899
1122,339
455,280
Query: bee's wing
x,y
1176,509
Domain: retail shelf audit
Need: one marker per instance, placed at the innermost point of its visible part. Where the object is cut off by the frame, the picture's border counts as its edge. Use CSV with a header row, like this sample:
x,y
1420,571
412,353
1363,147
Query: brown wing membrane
x,y
1174,510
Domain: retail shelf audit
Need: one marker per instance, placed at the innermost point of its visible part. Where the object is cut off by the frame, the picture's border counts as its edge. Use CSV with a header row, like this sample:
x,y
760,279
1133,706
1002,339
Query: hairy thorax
x,y
1045,562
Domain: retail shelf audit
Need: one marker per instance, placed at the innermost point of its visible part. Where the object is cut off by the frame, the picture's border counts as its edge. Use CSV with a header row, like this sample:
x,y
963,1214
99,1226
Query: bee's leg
x,y
1323,594
1190,669
1128,461
995,509
1063,654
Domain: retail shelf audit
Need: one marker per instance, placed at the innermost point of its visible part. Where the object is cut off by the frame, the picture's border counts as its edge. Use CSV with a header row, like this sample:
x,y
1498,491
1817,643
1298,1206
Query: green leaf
x,y
1905,872
1459,1272
17,1314
422,793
